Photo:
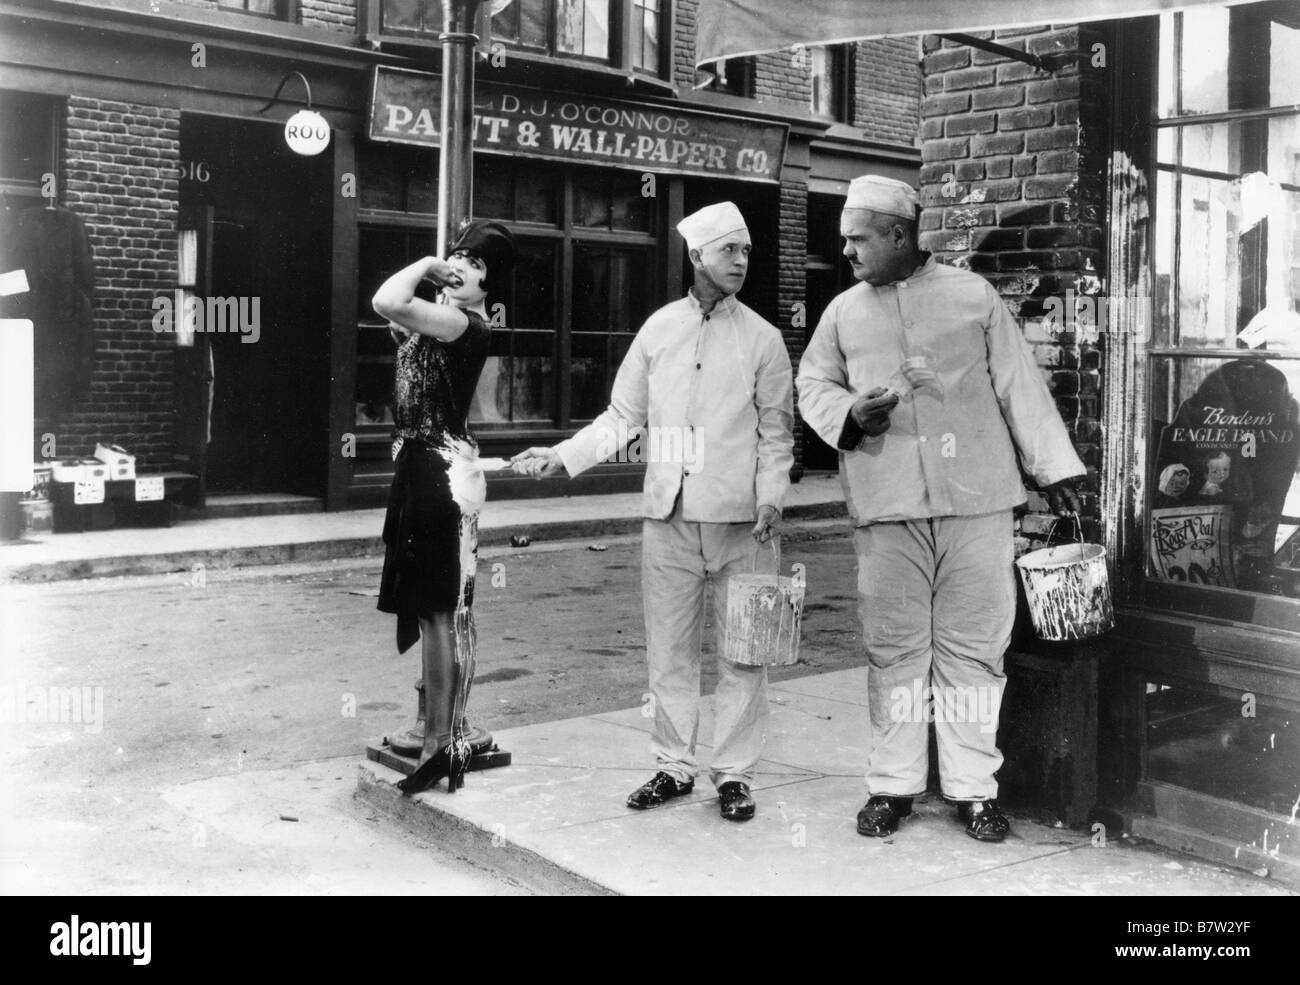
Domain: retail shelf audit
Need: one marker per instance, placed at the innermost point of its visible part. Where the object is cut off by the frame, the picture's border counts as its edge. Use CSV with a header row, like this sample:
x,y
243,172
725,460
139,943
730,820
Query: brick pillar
x,y
120,170
1013,188
792,302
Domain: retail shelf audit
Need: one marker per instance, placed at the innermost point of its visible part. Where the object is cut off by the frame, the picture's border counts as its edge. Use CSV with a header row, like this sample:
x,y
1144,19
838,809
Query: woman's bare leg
x,y
438,652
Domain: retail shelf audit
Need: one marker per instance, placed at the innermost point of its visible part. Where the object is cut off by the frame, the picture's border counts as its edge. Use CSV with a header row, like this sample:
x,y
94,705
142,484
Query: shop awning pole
x,y
1039,62
456,162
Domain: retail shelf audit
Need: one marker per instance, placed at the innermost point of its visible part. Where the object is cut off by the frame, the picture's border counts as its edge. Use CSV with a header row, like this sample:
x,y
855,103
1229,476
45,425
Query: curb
x,y
218,559
424,818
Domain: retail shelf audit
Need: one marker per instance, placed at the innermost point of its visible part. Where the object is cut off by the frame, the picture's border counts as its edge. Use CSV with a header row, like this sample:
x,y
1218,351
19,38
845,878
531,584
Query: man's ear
x,y
696,257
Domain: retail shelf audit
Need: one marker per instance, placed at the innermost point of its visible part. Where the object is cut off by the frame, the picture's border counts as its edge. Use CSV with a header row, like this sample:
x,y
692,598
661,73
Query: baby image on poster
x,y
1174,482
1218,469
1222,473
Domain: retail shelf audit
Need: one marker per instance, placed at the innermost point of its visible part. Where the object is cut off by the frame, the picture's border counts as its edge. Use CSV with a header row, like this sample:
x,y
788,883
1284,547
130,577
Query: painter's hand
x,y
871,412
1062,499
540,463
768,516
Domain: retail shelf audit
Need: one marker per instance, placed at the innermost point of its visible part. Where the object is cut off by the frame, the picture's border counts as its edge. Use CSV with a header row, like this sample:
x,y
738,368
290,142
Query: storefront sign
x,y
307,132
405,106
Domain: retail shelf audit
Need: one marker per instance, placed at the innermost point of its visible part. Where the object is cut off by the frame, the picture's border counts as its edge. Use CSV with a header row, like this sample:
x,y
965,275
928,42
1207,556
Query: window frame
x,y
568,237
621,57
1225,607
843,65
287,14
29,192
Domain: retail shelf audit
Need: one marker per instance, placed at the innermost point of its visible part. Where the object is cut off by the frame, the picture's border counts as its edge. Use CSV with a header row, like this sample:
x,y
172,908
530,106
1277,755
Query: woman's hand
x,y
540,463
441,272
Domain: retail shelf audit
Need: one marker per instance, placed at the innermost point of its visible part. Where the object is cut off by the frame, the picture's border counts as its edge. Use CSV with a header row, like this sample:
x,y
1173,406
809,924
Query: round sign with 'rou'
x,y
307,132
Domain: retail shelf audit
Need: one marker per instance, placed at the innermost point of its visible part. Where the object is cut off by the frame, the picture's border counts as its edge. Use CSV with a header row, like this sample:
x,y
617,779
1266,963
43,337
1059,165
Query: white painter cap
x,y
711,222
886,196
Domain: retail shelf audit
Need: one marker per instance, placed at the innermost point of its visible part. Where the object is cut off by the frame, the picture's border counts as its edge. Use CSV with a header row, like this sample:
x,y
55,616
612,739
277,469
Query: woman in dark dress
x,y
431,529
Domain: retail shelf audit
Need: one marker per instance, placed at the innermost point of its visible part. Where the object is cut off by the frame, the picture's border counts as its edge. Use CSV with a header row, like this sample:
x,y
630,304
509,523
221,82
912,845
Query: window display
x,y
1223,490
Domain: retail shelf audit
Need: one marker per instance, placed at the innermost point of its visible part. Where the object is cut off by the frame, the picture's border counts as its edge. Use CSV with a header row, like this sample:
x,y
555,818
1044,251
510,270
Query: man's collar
x,y
726,304
927,266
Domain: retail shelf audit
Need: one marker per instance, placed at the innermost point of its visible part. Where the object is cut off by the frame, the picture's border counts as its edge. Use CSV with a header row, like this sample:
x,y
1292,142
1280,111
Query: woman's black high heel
x,y
429,772
458,763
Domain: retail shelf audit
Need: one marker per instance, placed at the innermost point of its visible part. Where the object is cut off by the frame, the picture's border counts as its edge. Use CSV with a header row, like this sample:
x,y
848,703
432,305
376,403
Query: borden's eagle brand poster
x,y
1224,467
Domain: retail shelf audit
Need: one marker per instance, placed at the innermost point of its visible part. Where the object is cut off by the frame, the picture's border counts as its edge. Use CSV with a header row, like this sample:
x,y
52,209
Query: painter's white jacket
x,y
716,391
951,449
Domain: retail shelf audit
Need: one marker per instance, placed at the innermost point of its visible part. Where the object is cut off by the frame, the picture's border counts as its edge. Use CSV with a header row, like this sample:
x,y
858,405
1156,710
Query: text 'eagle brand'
x,y
102,939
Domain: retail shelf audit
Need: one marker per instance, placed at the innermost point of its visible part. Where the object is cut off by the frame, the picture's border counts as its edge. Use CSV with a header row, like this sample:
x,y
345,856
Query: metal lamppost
x,y
456,162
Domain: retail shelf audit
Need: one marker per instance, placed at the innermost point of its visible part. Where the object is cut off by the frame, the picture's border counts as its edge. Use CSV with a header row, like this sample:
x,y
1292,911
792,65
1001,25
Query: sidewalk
x,y
238,542
555,820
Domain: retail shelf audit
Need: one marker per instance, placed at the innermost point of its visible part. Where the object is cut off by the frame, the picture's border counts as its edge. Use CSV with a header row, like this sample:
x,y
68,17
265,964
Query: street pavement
x,y
236,704
233,698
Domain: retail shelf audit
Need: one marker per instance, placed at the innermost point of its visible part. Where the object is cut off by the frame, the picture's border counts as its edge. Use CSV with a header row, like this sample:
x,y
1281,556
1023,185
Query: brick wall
x,y
332,15
120,166
887,80
784,77
684,43
1013,188
792,254
887,85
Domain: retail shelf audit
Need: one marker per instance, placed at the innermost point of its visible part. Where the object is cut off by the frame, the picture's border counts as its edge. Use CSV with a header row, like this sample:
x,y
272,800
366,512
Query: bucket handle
x,y
771,542
1078,527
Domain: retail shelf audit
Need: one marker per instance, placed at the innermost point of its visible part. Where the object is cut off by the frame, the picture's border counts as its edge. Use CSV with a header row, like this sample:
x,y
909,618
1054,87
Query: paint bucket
x,y
764,616
1068,589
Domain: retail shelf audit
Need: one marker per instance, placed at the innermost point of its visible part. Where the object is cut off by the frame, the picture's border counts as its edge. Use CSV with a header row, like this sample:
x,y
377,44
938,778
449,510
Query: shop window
x,y
580,291
397,178
561,28
29,151
1224,492
647,21
624,34
1237,747
581,287
410,16
277,9
832,82
731,75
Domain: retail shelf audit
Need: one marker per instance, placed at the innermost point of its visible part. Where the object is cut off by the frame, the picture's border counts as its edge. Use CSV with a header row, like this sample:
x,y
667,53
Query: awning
x,y
735,28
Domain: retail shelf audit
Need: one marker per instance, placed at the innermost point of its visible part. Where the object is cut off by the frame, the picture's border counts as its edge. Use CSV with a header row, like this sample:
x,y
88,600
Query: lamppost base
x,y
384,754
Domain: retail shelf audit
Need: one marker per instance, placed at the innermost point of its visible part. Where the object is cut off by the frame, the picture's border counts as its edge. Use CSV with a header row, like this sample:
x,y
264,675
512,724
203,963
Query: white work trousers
x,y
676,558
937,602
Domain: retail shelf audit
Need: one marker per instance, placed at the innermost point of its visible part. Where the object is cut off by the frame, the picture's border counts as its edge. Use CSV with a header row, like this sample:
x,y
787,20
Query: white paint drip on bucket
x,y
764,615
1068,591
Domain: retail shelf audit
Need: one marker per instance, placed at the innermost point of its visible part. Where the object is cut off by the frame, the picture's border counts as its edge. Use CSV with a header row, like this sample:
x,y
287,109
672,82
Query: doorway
x,y
264,219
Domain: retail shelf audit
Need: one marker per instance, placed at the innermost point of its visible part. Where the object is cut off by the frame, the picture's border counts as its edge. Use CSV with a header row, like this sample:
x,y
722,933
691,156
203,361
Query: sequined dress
x,y
431,528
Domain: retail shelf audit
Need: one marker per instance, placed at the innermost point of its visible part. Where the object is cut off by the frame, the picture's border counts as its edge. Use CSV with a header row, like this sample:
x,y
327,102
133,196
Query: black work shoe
x,y
879,817
735,801
659,790
984,820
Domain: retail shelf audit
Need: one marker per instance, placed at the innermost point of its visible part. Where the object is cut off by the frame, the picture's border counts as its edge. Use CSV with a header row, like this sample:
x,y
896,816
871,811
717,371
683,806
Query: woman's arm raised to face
x,y
396,301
